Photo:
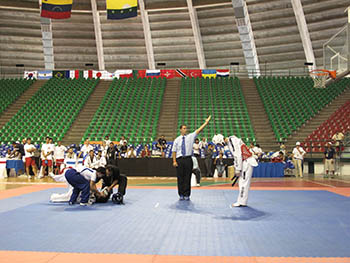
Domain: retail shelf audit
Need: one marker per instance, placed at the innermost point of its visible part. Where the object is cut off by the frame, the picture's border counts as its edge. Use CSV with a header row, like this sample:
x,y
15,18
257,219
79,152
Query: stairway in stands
x,y
81,123
167,124
261,124
17,104
315,122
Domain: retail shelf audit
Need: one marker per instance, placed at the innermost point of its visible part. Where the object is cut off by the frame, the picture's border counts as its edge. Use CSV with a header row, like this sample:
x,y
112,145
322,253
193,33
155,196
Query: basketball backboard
x,y
336,51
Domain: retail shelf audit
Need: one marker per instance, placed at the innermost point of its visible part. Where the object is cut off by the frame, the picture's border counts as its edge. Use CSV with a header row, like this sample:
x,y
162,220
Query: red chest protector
x,y
245,152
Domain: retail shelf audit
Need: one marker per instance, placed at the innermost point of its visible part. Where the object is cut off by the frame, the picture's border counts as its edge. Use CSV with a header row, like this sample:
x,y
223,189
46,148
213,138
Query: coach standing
x,y
182,152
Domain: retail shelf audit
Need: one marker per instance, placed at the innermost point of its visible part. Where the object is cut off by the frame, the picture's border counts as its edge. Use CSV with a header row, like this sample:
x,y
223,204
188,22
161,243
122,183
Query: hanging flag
x,y
60,74
152,73
30,74
167,73
74,74
88,74
45,74
181,73
107,75
195,73
141,73
97,74
57,9
120,9
222,72
209,73
123,73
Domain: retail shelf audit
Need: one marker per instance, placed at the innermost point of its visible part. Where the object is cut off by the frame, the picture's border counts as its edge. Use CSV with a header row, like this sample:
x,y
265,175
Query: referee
x,y
182,152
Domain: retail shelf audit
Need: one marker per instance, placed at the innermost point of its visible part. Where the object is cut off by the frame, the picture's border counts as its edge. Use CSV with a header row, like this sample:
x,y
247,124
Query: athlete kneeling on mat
x,y
110,178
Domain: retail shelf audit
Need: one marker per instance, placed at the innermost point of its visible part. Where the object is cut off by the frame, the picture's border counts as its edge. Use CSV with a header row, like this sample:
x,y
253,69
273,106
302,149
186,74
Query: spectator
x,y
111,154
279,158
71,159
20,147
84,151
145,153
107,141
104,148
161,145
59,156
90,160
15,154
283,149
196,170
122,141
9,156
100,160
123,150
298,157
46,157
329,160
196,148
208,153
203,144
29,150
338,138
130,153
219,164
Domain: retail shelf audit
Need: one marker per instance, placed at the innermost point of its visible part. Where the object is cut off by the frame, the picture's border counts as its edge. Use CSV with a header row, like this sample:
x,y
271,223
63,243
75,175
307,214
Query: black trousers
x,y
183,173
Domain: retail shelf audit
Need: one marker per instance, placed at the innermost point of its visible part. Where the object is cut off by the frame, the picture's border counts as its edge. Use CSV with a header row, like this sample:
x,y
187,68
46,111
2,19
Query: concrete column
x,y
147,34
98,35
304,32
196,34
247,37
46,32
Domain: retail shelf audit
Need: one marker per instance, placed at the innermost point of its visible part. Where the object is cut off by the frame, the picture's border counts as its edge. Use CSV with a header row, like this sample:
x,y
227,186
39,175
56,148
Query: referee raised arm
x,y
182,152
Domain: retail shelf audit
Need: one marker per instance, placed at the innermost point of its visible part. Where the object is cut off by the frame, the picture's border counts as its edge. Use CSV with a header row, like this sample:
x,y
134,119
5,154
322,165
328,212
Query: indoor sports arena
x,y
179,131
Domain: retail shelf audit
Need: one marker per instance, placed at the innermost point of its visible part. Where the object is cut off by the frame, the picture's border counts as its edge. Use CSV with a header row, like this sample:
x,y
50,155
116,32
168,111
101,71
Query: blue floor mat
x,y
153,221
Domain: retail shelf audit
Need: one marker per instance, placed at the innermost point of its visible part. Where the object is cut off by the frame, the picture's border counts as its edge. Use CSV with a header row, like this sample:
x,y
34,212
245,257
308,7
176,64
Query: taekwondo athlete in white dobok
x,y
244,163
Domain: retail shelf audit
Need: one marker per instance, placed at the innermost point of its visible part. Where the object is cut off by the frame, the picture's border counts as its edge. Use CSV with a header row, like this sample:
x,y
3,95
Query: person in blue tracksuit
x,y
81,183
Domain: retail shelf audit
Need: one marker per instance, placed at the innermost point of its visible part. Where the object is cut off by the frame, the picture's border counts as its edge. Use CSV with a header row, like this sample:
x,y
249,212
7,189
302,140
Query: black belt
x,y
184,157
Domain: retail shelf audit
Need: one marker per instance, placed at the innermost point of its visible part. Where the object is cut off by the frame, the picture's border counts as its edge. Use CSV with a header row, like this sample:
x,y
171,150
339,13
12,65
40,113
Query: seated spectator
x,y
90,160
145,153
161,145
130,153
100,160
279,158
9,156
256,151
196,148
71,159
122,142
16,154
219,165
123,150
283,148
338,138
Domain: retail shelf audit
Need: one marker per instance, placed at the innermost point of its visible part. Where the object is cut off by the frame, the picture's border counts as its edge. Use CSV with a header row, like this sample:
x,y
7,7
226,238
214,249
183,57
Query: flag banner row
x,y
62,9
128,73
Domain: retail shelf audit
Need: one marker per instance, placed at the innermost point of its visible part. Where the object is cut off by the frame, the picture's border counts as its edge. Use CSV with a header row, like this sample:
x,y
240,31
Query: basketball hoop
x,y
320,77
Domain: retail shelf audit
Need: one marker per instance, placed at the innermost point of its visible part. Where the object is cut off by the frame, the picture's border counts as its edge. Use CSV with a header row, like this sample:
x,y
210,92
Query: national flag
x,y
141,73
107,75
60,74
74,74
209,73
30,74
97,74
123,73
59,9
120,9
88,74
47,74
222,72
194,73
153,73
181,73
167,73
